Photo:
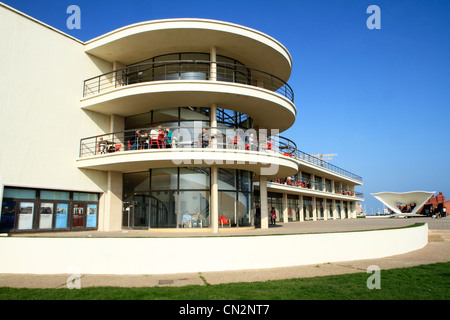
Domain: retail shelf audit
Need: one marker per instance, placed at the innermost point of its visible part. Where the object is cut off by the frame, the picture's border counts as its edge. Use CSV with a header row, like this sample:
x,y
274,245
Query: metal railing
x,y
186,70
317,185
189,137
324,164
181,137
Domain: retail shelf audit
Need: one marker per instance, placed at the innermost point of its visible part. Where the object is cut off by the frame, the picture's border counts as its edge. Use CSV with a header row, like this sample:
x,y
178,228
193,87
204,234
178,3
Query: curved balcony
x,y
186,70
140,88
129,150
140,41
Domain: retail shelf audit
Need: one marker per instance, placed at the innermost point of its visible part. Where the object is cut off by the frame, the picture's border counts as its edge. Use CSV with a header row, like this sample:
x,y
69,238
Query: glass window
x,y
227,205
16,193
227,179
55,195
91,216
243,206
194,178
165,115
193,209
83,196
164,179
135,182
245,181
138,121
195,56
62,210
163,209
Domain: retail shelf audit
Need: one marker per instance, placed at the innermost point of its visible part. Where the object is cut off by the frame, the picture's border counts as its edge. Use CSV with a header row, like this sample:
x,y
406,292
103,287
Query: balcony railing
x,y
190,137
176,138
317,185
186,70
321,163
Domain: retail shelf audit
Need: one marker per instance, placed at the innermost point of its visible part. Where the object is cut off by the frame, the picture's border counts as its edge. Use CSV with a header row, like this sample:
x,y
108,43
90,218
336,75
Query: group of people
x,y
155,138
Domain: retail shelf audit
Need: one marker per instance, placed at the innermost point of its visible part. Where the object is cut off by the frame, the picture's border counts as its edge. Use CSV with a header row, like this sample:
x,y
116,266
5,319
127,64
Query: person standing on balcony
x,y
168,138
203,139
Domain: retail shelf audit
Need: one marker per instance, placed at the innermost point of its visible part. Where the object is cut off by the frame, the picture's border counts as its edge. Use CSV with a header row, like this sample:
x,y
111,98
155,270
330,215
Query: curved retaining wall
x,y
200,254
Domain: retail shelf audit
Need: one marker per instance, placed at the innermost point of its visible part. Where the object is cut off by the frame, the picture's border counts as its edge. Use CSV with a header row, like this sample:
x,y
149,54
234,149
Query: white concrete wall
x,y
41,122
200,254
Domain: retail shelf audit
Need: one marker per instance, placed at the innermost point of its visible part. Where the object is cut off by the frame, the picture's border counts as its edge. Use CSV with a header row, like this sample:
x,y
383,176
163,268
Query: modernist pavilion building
x,y
167,124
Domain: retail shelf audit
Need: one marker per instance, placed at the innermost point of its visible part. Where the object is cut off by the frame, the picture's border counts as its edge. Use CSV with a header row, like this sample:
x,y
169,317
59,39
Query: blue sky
x,y
380,99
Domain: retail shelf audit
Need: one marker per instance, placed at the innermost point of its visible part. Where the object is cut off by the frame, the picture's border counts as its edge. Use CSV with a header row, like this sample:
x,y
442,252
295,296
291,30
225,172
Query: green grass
x,y
426,282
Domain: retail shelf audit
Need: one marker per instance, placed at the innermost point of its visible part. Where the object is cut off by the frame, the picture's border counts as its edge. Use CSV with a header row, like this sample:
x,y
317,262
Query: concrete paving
x,y
437,250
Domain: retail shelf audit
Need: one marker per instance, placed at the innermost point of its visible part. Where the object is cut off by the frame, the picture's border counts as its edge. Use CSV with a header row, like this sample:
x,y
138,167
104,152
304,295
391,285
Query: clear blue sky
x,y
380,99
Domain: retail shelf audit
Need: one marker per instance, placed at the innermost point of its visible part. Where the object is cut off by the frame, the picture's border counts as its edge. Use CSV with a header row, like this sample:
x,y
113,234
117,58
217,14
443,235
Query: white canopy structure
x,y
392,199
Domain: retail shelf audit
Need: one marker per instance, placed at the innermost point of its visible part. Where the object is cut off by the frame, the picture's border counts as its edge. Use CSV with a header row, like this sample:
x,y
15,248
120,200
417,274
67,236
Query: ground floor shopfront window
x,y
25,210
181,197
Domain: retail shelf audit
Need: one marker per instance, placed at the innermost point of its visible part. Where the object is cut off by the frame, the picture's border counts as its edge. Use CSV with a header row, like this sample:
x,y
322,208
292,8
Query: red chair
x,y
154,141
223,220
118,146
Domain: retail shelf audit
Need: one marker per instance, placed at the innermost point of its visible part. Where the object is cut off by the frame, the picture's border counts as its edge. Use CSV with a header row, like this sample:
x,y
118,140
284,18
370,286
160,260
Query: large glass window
x,y
25,209
179,198
193,207
163,179
307,208
163,213
194,178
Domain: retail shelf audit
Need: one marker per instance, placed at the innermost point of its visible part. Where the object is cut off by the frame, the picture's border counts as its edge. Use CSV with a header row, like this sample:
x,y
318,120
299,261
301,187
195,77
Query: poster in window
x,y
62,210
91,220
26,210
46,216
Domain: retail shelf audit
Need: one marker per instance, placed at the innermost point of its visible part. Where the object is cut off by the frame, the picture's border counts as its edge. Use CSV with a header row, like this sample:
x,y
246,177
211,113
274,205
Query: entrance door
x,y
78,216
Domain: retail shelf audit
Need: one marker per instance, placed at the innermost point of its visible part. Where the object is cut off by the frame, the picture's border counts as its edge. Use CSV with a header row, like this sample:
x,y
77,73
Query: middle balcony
x,y
174,146
158,85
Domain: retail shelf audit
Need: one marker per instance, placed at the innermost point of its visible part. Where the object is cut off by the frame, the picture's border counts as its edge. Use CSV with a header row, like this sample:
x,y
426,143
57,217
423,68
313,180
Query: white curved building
x,y
166,124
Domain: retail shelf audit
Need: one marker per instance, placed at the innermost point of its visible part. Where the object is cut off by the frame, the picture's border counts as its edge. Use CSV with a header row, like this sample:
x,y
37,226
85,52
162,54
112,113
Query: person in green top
x,y
168,138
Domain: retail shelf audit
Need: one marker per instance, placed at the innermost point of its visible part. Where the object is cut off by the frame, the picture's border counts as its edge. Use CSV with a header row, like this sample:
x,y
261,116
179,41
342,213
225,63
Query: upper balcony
x,y
268,99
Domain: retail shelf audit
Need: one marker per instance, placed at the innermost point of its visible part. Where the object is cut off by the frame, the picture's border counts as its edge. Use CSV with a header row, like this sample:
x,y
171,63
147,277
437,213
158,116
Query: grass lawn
x,y
427,282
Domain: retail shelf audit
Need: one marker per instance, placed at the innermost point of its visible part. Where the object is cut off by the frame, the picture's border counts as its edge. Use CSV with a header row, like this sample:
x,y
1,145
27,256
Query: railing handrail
x,y
291,147
334,189
285,143
326,164
152,65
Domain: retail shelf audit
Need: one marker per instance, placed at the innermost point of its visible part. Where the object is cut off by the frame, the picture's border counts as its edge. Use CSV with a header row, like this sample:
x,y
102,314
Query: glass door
x,y
26,210
78,216
8,214
46,215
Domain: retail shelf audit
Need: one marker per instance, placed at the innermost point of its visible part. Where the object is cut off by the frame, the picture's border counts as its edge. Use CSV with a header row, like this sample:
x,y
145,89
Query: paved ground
x,y
437,250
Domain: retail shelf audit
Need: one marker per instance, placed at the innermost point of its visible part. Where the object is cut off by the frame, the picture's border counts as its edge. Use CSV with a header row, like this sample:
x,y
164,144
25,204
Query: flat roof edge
x,y
40,22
